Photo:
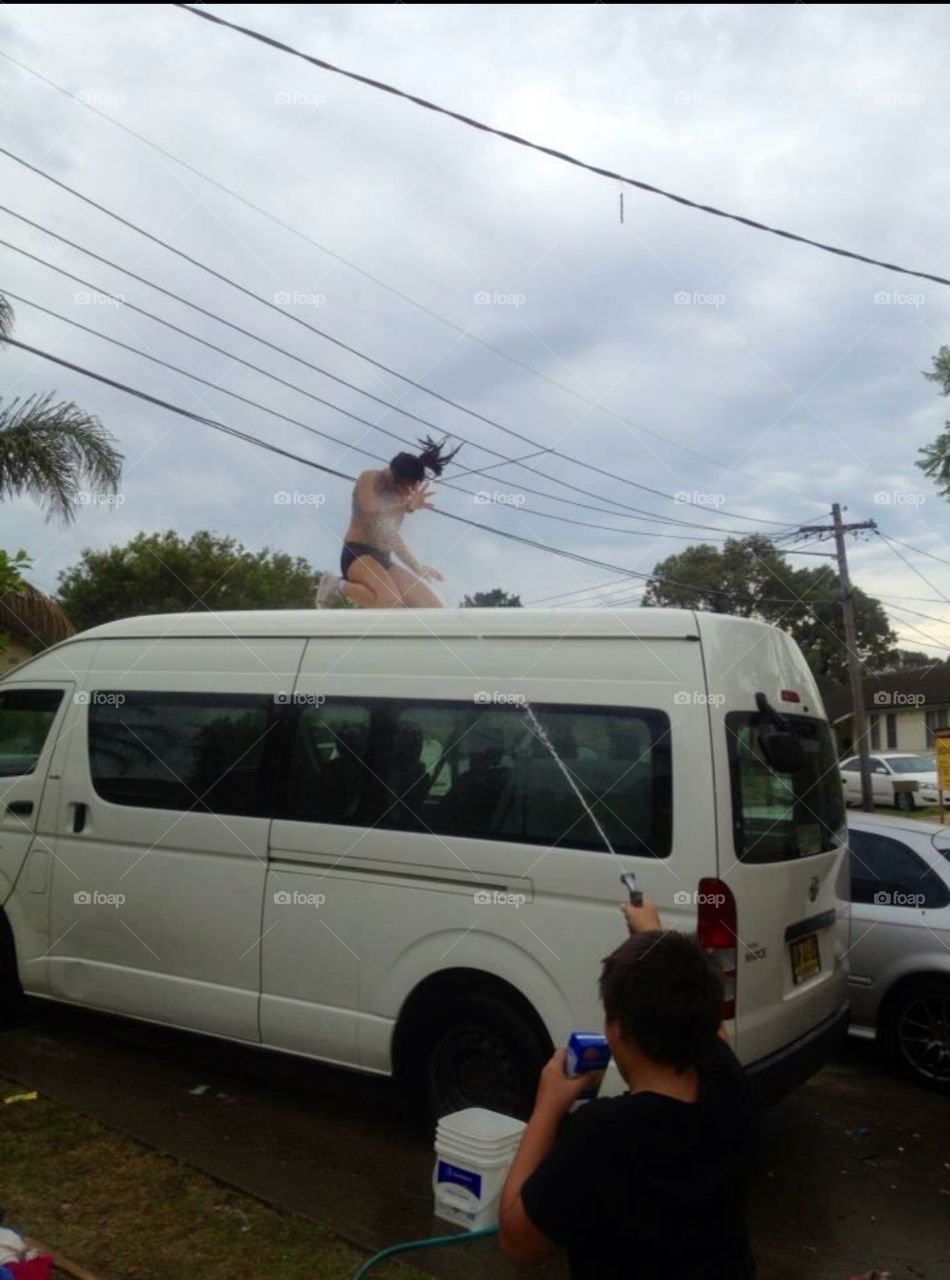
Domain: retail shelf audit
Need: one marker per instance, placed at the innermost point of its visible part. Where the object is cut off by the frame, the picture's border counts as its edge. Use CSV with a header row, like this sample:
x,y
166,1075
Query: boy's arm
x,y
520,1238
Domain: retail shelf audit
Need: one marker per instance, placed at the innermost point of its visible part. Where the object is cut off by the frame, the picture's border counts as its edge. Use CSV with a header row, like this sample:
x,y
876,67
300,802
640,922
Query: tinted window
x,y
781,816
466,770
853,764
912,764
25,719
184,751
887,873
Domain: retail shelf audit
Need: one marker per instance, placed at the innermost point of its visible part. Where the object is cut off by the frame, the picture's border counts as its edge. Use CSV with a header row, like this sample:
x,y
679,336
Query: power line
x,y
396,292
342,475
921,552
555,154
204,311
345,444
377,364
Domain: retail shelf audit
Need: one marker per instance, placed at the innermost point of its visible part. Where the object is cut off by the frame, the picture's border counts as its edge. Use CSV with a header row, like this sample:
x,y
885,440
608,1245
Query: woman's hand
x,y
557,1092
430,575
420,497
645,919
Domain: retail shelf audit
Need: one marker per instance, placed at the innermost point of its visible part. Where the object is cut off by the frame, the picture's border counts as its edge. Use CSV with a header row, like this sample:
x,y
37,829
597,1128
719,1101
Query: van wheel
x,y
12,1001
917,1032
482,1054
905,801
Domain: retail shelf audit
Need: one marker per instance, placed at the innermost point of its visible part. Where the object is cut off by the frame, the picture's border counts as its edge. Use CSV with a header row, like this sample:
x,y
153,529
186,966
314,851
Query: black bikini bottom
x,y
353,549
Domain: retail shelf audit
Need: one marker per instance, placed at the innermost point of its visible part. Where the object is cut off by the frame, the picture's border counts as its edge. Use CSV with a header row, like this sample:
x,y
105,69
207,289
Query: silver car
x,y
899,986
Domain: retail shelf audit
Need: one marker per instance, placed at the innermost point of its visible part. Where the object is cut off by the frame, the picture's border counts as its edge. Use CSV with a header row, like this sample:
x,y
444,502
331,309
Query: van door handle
x,y
79,817
23,807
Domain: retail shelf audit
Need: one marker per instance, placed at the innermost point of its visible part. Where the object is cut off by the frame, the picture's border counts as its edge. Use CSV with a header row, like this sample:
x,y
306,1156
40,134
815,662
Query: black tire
x,y
917,1032
481,1053
904,801
12,1001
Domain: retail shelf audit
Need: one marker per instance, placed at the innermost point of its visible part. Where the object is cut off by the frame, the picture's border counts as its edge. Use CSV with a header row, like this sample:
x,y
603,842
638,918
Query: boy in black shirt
x,y
650,1184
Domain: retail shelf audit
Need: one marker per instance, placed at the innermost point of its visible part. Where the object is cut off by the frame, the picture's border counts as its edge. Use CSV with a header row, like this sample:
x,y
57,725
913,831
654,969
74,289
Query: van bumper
x,y
771,1078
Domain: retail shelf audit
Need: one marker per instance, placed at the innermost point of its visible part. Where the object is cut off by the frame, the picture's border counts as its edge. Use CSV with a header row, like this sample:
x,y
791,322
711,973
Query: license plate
x,y
806,958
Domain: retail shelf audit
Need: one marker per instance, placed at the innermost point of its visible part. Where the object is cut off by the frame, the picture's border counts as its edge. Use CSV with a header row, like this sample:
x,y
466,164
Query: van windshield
x,y
777,817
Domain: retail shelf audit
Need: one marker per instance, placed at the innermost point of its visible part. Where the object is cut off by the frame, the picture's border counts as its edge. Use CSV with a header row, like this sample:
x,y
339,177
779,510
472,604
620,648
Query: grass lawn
x,y
128,1213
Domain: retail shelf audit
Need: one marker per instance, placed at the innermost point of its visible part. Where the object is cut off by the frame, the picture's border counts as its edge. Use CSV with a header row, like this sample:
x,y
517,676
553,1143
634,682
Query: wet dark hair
x,y
411,468
665,996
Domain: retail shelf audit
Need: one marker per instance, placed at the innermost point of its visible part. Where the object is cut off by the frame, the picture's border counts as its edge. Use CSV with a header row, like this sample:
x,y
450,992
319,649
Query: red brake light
x,y
717,933
789,695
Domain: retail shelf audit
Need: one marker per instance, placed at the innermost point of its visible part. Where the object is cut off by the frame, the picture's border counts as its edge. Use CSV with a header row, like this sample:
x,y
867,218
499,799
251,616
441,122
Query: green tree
x,y
164,573
52,450
494,599
11,575
751,578
936,457
902,659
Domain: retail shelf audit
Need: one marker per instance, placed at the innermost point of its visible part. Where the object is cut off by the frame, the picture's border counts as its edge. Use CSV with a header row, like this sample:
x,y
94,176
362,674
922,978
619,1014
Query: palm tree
x,y
53,450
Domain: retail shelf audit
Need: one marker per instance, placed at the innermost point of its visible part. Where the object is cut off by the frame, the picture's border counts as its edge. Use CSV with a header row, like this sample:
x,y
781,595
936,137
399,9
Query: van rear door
x,y
781,841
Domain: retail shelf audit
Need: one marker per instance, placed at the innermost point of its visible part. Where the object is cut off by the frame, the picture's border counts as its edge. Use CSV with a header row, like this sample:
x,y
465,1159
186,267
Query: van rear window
x,y
25,719
778,817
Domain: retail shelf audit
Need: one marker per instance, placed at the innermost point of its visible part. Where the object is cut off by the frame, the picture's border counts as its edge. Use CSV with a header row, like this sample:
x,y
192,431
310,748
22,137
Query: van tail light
x,y
717,933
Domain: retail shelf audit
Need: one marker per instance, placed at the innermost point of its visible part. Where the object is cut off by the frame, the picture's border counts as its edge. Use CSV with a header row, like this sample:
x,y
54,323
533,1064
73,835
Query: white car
x,y
900,941
890,768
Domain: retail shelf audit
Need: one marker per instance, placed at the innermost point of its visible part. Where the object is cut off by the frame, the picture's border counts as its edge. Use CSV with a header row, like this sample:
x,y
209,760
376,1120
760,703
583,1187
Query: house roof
x,y
909,689
34,619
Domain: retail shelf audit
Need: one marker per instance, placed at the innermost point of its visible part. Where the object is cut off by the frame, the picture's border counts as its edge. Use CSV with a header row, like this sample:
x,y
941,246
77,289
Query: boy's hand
x,y
557,1092
645,919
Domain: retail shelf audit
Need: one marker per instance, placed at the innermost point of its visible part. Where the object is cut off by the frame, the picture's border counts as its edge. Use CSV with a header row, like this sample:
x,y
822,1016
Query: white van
x,y
337,833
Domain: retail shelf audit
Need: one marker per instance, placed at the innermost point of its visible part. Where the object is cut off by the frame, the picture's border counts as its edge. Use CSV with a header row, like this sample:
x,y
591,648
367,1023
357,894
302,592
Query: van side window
x,y
184,751
777,817
463,769
887,873
25,719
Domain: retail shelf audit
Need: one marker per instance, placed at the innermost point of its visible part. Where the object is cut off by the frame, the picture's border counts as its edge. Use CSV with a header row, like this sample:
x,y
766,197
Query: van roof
x,y
679,624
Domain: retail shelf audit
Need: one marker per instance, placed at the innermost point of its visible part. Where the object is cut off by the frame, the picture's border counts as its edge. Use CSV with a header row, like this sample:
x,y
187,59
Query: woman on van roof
x,y
381,499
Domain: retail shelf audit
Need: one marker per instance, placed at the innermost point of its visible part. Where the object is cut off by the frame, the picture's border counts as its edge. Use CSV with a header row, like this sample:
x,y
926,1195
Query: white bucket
x,y
474,1149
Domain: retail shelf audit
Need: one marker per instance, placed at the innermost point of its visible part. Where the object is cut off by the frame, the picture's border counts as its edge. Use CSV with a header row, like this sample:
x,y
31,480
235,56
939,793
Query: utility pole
x,y
859,719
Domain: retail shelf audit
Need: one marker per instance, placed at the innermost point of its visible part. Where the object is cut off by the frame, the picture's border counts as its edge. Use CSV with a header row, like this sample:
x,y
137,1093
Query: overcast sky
x,y
739,374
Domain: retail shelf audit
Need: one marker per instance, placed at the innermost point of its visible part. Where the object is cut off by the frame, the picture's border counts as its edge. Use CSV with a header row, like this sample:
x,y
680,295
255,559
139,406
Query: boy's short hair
x,y
665,996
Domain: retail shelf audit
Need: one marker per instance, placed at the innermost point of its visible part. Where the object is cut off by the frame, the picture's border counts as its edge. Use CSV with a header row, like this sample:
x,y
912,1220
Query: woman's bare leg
x,y
414,591
370,586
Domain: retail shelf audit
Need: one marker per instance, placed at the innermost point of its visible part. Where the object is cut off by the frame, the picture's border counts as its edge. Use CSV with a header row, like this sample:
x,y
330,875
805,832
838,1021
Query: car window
x,y
886,873
877,766
912,764
25,719
854,764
